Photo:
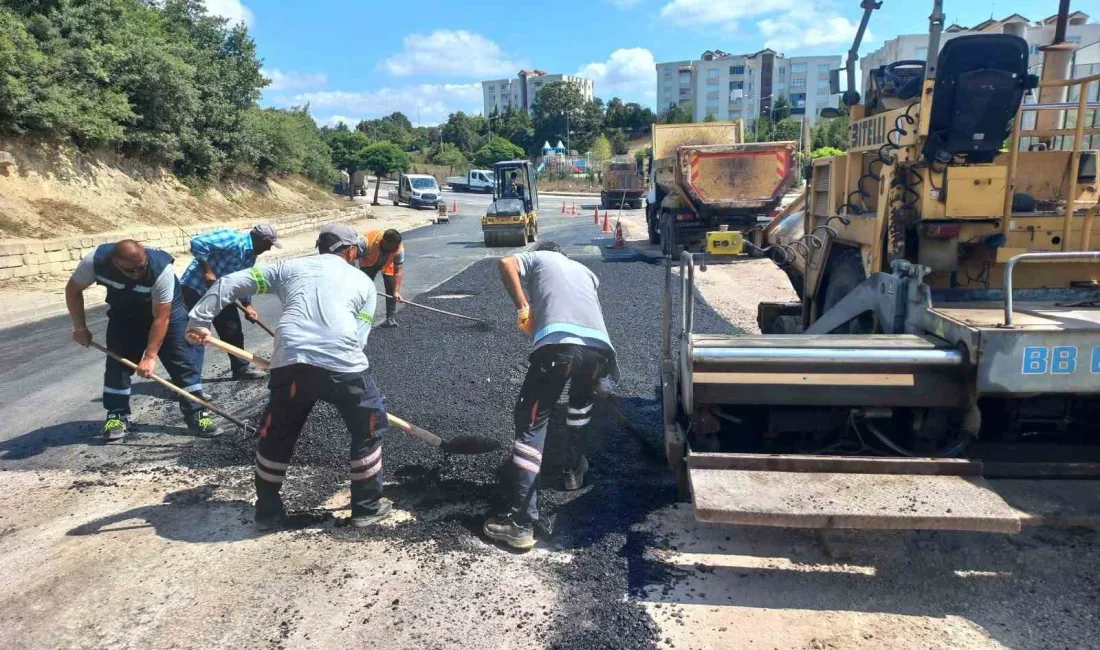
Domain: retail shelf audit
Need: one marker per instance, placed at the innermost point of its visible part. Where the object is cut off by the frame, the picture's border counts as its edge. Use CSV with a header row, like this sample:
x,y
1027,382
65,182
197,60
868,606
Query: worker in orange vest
x,y
383,251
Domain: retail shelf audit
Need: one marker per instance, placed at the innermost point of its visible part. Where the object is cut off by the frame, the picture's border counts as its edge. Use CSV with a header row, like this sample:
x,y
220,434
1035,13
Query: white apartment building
x,y
1037,33
520,93
745,86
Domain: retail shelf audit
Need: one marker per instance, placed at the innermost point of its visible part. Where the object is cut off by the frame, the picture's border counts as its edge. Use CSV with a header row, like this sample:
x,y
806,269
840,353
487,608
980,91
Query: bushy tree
x,y
676,114
383,159
601,148
781,109
620,146
461,130
559,108
825,152
447,154
288,141
786,130
496,150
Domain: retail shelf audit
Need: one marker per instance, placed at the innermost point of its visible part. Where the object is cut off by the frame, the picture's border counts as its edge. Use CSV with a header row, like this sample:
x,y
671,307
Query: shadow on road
x,y
85,433
185,516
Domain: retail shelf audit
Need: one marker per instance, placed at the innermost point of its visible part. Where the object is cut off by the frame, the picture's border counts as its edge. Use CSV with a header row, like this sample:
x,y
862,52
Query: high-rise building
x,y
520,93
746,86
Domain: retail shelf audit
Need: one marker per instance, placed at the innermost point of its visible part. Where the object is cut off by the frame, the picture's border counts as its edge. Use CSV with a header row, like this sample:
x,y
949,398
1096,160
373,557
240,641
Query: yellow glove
x,y
524,322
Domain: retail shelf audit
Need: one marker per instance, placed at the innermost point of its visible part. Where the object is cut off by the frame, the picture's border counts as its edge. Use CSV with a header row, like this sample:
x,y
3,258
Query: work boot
x,y
389,322
202,424
504,529
114,428
385,506
249,372
574,480
270,517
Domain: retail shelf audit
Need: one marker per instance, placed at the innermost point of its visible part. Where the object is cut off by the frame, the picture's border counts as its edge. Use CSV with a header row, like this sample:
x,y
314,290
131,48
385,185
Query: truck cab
x,y
416,191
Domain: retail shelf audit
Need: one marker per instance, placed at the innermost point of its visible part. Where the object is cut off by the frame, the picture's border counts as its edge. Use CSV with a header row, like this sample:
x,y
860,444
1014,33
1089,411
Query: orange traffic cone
x,y
563,207
606,223
574,208
619,243
455,208
596,217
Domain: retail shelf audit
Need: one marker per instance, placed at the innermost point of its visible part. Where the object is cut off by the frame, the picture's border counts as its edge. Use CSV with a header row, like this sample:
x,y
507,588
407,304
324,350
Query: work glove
x,y
524,322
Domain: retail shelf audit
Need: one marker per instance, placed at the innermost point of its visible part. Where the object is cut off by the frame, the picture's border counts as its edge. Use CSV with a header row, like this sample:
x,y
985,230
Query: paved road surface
x,y
51,386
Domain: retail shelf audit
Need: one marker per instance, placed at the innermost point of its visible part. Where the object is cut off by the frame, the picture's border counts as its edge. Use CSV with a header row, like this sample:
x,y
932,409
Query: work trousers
x,y
127,336
390,283
551,367
294,391
227,324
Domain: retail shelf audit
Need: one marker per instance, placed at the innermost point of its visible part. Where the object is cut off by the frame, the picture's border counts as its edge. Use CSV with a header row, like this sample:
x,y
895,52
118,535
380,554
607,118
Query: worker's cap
x,y
335,236
267,232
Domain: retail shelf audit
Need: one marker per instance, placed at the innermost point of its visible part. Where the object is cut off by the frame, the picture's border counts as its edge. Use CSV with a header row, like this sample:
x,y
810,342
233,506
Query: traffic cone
x,y
455,208
606,223
596,216
563,207
619,243
574,208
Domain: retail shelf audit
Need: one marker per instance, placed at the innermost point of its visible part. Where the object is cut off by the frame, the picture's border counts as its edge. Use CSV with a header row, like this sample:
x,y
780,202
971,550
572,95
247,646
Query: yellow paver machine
x,y
946,340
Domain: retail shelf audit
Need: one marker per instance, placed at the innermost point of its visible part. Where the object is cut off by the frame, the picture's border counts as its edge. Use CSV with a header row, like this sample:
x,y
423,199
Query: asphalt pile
x,y
456,379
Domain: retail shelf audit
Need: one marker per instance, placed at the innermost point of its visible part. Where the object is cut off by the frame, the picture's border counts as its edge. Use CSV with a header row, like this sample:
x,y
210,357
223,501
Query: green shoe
x,y
201,424
114,428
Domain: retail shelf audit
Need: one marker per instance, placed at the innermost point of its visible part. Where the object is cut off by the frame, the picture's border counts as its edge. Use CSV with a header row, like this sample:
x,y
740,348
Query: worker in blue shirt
x,y
219,253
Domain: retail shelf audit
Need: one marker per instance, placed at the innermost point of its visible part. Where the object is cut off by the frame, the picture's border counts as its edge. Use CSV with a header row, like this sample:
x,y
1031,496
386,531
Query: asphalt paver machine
x,y
947,332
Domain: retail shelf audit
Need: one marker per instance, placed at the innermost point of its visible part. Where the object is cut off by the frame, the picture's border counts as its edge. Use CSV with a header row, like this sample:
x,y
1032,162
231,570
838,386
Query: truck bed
x,y
731,178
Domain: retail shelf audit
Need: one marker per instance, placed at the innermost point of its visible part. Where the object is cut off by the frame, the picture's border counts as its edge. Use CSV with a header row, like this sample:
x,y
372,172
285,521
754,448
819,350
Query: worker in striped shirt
x,y
219,253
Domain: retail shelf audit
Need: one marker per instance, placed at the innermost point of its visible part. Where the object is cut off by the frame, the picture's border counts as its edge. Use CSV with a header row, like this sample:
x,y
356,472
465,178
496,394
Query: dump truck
x,y
623,186
512,219
947,331
704,177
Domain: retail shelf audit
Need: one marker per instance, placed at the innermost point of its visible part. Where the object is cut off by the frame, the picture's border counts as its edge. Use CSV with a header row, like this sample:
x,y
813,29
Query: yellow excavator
x,y
947,332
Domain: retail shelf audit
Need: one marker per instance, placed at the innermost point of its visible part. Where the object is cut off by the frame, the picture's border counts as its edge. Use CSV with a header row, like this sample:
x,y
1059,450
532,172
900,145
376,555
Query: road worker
x,y
384,251
146,320
219,253
560,310
328,308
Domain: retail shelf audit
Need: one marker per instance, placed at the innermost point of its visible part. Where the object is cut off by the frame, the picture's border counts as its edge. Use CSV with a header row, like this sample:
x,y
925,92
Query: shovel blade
x,y
469,445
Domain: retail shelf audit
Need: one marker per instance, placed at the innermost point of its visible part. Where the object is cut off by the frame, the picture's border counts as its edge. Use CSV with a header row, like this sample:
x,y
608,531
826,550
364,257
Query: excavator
x,y
941,366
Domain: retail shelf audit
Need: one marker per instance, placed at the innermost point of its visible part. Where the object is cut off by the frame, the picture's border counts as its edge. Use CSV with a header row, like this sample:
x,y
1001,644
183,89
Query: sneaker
x,y
389,322
114,428
385,506
503,529
574,480
249,372
201,424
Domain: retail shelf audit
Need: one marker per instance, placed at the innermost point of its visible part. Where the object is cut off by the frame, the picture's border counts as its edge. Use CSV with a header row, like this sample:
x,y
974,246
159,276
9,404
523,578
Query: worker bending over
x,y
383,251
328,307
146,319
571,344
219,253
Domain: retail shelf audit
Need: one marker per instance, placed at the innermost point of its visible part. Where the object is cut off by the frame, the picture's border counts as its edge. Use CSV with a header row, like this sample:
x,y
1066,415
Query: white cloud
x,y
435,102
450,53
630,73
234,10
806,28
720,13
294,80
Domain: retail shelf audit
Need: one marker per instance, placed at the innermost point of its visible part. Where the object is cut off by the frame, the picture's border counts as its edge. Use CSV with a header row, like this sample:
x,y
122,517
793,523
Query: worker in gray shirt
x,y
146,320
328,308
557,305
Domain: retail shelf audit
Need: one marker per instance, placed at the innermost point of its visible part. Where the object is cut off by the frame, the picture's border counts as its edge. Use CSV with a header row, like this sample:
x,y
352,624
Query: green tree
x,y
676,114
496,150
825,152
348,149
559,108
619,144
383,159
710,118
461,131
781,109
447,154
601,148
288,141
787,129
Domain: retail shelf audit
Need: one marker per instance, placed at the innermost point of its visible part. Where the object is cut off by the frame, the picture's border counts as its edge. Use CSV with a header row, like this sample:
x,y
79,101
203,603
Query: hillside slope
x,y
56,191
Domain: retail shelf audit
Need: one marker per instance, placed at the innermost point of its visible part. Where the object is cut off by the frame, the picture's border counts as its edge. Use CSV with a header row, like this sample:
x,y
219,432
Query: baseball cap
x,y
268,233
336,235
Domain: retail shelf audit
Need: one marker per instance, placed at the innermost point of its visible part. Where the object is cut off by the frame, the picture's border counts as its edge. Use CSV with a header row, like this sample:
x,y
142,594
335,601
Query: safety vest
x,y
373,257
125,293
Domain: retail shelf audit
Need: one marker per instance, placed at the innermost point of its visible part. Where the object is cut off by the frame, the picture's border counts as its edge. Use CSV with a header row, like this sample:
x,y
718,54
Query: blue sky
x,y
363,60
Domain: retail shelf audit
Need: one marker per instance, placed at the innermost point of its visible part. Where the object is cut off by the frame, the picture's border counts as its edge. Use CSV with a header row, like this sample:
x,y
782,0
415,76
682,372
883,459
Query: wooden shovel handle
x,y
240,305
229,348
415,431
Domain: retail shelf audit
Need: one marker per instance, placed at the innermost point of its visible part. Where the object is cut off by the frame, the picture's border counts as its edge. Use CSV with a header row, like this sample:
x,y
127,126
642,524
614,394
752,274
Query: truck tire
x,y
397,203
653,227
844,274
668,235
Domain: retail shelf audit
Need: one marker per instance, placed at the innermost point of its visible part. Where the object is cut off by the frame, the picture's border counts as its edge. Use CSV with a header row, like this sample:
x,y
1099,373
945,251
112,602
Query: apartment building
x,y
745,86
520,93
1079,31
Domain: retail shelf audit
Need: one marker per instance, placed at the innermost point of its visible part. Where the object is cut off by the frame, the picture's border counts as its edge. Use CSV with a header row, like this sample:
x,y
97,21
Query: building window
x,y
798,111
685,78
798,100
668,75
922,52
798,67
735,115
822,99
823,67
737,69
712,101
798,83
712,110
737,85
1033,50
780,86
782,70
712,73
822,83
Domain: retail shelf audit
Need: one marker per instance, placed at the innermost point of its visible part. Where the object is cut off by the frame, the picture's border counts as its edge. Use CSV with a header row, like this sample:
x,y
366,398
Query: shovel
x,y
175,389
259,322
479,321
464,445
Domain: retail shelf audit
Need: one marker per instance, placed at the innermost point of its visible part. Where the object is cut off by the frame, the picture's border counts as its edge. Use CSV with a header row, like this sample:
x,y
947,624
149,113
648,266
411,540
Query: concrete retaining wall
x,y
50,258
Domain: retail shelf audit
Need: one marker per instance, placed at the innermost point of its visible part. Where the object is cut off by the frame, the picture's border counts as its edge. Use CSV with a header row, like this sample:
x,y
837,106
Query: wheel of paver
x,y
488,239
533,236
521,238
